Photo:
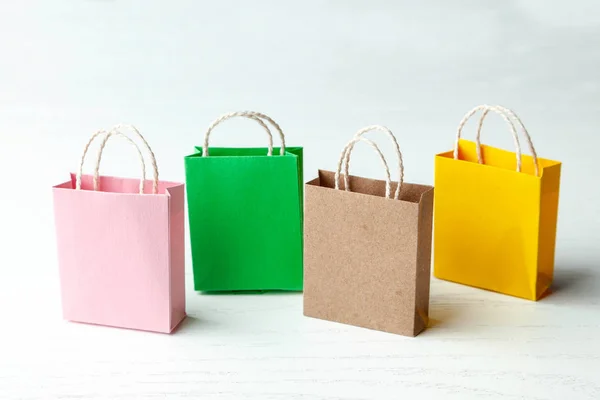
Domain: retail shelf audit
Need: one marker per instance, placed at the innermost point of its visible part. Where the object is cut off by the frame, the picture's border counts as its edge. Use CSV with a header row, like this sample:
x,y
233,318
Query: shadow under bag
x,y
496,214
367,255
245,214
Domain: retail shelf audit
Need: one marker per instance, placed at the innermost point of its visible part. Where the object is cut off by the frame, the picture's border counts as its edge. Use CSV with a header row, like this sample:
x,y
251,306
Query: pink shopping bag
x,y
121,247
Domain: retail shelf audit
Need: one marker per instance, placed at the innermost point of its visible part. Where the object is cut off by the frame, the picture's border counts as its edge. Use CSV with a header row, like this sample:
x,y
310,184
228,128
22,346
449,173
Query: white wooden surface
x,y
322,69
480,346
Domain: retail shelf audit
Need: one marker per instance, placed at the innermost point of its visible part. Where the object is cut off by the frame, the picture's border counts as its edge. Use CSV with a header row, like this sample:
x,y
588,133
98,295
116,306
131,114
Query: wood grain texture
x,y
479,345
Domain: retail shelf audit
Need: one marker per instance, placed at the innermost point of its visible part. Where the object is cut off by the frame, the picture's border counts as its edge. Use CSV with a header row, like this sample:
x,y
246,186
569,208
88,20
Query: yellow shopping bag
x,y
494,222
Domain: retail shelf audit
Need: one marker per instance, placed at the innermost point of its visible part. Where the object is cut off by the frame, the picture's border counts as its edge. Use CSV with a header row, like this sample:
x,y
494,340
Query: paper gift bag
x,y
496,214
367,255
245,214
121,247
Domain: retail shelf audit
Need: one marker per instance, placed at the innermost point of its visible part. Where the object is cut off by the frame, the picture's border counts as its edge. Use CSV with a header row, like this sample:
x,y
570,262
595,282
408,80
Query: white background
x,y
322,69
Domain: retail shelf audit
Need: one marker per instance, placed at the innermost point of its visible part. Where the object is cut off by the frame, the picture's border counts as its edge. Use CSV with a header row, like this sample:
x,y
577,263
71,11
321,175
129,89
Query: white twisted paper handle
x,y
117,130
398,153
87,146
345,157
258,117
506,114
513,116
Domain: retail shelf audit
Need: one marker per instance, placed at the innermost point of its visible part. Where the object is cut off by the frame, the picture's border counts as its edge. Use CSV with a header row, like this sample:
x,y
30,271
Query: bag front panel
x,y
245,222
114,258
360,259
487,223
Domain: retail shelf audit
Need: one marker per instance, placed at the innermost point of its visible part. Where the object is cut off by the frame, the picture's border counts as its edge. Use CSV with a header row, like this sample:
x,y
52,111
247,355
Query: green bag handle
x,y
345,159
507,115
258,117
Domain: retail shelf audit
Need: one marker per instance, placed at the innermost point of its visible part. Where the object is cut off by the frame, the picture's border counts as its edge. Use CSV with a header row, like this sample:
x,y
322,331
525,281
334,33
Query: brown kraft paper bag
x,y
367,256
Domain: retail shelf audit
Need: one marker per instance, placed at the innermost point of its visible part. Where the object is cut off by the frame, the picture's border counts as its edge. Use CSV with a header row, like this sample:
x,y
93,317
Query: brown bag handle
x,y
345,159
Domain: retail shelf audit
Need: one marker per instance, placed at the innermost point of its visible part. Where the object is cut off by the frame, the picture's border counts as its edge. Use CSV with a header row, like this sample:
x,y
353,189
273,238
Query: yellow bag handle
x,y
507,115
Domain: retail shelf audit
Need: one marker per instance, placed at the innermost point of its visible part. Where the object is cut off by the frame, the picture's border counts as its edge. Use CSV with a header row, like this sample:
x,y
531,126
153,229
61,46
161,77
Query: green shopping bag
x,y
245,214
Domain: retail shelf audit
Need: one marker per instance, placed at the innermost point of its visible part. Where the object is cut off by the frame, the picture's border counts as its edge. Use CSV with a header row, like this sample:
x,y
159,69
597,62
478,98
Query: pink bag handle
x,y
116,130
258,117
345,159
87,146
